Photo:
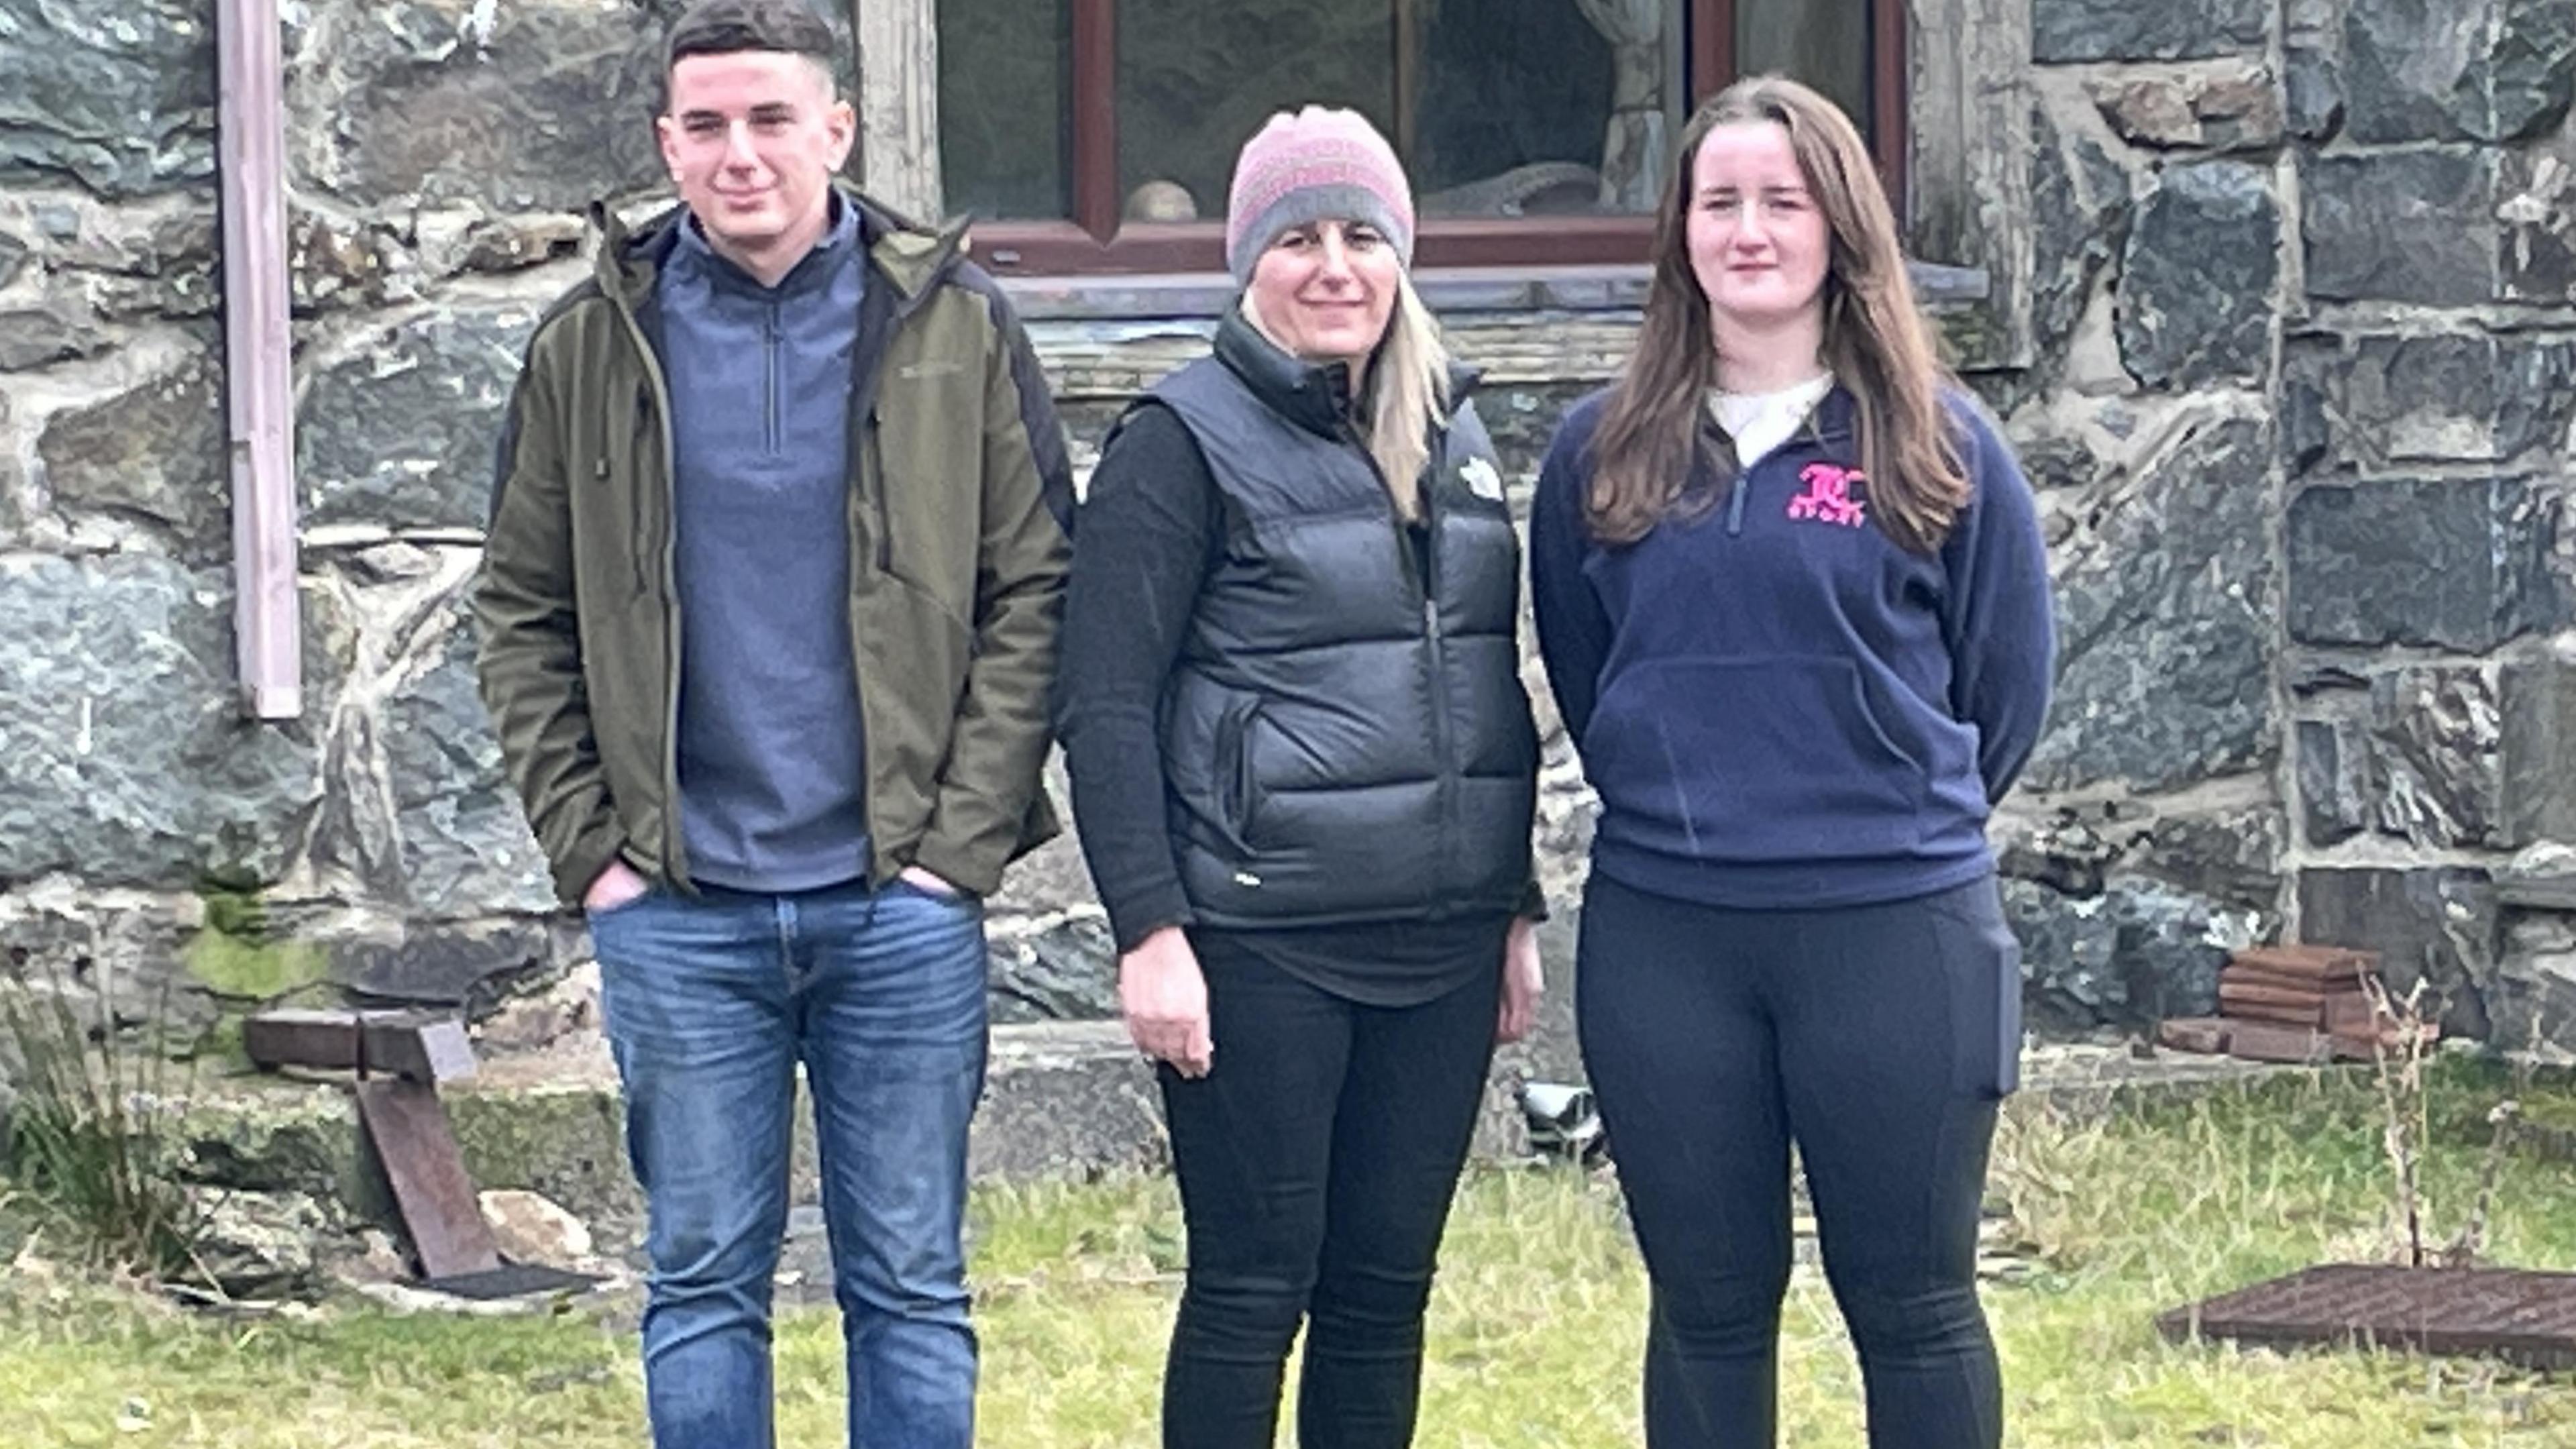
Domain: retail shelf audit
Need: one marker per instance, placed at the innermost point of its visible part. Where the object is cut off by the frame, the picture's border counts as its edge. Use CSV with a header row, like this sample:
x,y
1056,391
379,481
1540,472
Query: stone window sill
x,y
1201,296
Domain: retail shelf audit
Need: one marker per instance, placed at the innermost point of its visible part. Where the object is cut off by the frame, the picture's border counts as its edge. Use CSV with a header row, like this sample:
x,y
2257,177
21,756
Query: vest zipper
x,y
1735,504
1444,746
1425,575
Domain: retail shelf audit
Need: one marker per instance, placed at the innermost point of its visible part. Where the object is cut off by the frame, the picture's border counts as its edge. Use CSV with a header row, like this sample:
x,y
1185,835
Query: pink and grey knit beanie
x,y
1320,164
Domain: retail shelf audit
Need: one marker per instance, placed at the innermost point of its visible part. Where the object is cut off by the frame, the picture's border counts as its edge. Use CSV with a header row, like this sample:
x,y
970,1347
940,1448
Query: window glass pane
x,y
1500,107
1197,77
1005,130
1542,107
1824,44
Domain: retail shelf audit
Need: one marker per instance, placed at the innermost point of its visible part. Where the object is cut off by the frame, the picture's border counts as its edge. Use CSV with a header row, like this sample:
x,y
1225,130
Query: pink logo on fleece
x,y
1828,497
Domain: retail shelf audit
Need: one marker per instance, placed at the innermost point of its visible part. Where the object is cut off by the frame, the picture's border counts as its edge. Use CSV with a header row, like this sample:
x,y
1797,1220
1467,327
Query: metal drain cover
x,y
2527,1317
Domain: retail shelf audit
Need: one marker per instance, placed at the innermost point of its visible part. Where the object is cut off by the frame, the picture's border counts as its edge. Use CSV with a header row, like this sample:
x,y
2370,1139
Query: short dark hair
x,y
730,27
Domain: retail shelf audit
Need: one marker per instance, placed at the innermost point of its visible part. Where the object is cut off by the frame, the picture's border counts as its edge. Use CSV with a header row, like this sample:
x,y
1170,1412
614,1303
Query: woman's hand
x,y
1163,995
1523,983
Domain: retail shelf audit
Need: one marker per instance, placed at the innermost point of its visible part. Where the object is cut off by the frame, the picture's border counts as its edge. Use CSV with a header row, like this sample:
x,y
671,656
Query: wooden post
x,y
258,386
899,104
1968,181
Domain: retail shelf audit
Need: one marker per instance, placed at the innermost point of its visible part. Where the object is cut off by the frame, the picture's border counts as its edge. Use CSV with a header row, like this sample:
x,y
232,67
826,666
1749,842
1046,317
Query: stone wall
x,y
439,153
2301,429
2302,333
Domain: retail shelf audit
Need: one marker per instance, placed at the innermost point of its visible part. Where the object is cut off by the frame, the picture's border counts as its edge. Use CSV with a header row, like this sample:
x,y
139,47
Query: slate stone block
x,y
2461,564
2196,287
2437,924
2402,226
2095,30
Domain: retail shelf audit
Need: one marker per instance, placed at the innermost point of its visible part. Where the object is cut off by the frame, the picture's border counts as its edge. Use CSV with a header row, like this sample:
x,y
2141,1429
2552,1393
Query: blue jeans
x,y
711,1004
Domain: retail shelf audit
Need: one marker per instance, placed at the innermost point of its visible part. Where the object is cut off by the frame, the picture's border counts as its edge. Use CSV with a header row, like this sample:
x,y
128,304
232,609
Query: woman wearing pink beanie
x,y
1304,770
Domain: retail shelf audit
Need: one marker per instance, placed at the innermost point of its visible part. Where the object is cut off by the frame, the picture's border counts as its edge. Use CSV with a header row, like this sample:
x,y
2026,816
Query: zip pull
x,y
1431,616
1735,505
878,482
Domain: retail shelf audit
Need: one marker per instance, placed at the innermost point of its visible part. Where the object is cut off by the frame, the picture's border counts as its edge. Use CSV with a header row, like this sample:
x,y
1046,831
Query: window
x,y
1099,135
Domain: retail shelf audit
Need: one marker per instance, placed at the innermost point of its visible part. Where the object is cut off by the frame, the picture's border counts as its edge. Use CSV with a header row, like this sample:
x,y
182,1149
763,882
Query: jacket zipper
x,y
885,512
639,544
674,853
1735,503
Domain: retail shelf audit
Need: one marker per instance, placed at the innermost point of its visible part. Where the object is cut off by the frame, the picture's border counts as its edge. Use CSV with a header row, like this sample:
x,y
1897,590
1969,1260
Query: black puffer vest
x,y
1345,733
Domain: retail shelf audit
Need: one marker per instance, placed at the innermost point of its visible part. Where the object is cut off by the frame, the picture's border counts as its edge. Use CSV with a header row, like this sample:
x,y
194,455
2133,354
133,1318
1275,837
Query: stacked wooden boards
x,y
2290,1004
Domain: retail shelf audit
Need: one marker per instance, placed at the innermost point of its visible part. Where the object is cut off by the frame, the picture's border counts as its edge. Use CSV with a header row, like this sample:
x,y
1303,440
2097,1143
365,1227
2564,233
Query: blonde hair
x,y
1876,342
1404,392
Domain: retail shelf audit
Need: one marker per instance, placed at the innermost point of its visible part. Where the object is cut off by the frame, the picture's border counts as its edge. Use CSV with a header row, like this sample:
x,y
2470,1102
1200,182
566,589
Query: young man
x,y
769,607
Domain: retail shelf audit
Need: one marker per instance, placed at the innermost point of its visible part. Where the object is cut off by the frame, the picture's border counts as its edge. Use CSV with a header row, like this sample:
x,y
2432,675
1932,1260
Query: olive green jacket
x,y
960,507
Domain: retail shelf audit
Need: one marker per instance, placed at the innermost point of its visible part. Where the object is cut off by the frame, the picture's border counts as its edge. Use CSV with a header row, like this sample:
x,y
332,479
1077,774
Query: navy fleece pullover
x,y
1778,706
773,774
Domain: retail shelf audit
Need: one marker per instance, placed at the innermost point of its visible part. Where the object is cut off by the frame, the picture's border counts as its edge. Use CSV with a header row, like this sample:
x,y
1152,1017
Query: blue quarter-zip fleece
x,y
773,778
1778,706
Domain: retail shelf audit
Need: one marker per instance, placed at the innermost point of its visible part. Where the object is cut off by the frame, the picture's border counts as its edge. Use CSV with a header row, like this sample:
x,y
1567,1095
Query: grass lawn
x,y
1535,1331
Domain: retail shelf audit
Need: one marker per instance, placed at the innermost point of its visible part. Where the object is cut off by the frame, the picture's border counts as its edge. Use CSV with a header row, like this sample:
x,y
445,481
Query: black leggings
x,y
1316,1164
1880,1039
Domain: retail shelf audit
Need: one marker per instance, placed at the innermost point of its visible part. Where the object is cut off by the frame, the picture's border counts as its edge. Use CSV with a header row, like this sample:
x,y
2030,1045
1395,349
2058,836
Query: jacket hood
x,y
906,255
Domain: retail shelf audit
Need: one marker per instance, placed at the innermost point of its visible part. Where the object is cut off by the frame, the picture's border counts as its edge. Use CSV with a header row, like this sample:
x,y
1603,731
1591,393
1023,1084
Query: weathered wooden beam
x,y
1968,184
899,104
418,1046
258,388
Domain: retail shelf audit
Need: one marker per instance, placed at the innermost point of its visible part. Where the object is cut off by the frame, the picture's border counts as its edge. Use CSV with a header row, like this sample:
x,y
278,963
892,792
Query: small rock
x,y
2231,108
261,1244
371,1257
509,244
530,1023
530,1228
42,336
2542,875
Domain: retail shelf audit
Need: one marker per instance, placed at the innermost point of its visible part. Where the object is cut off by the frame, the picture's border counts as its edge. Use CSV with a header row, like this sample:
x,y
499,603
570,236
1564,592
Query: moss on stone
x,y
569,1144
234,956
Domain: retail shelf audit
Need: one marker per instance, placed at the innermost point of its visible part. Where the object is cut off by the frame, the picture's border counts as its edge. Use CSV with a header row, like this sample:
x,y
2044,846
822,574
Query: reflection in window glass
x,y
1005,131
1197,77
1501,108
1543,107
1825,45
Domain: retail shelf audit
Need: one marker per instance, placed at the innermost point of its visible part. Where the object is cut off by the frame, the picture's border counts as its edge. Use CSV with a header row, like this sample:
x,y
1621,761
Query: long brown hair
x,y
1875,341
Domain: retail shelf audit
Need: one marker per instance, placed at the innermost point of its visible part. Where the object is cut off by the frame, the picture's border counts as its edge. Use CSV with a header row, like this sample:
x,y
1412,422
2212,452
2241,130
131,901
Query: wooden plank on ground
x,y
440,1212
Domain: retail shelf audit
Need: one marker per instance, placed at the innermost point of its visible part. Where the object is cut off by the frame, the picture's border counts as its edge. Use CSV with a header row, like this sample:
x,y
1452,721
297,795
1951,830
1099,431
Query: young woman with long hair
x,y
1793,600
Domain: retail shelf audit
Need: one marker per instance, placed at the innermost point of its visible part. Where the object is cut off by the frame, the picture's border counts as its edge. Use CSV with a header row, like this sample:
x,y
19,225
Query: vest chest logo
x,y
1482,479
1828,498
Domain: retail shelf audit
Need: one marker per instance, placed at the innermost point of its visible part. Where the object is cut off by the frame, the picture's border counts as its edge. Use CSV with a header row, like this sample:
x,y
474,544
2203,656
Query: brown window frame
x,y
1096,240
